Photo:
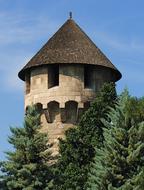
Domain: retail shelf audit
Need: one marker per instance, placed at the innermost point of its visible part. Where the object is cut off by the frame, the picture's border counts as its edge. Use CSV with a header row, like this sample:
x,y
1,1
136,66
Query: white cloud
x,y
119,43
16,34
10,68
23,29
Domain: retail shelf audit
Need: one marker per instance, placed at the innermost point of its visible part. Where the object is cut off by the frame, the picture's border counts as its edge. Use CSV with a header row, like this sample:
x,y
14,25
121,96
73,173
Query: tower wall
x,y
65,97
70,88
64,77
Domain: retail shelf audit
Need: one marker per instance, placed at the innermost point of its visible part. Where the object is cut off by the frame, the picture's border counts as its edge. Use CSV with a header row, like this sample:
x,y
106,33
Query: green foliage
x,y
119,164
27,166
135,108
77,150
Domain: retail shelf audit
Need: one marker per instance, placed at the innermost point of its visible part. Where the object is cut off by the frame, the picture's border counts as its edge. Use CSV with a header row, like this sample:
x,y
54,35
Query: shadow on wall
x,y
54,112
64,115
71,109
69,115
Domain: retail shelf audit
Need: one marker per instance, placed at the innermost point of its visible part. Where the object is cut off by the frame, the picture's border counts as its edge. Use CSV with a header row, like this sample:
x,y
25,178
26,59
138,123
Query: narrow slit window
x,y
87,77
53,76
27,83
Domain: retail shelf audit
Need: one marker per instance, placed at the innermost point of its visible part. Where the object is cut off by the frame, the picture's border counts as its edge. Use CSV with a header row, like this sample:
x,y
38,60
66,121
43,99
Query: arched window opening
x,y
54,111
53,76
71,111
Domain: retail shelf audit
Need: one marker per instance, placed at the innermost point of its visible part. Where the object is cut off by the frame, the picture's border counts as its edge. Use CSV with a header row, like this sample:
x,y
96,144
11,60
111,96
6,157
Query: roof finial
x,y
70,15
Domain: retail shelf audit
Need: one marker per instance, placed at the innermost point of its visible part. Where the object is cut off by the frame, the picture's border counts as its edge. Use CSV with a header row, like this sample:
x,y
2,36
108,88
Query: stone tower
x,y
64,77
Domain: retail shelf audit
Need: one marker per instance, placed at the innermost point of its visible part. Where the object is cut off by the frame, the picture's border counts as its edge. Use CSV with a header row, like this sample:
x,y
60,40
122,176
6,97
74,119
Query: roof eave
x,y
21,74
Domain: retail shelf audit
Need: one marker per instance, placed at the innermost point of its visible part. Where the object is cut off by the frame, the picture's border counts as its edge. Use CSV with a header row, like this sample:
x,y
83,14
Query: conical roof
x,y
69,45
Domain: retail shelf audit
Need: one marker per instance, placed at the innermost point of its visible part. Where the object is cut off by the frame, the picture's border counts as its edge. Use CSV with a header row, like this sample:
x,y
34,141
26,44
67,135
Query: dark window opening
x,y
53,76
71,108
39,107
86,105
26,109
54,111
88,83
27,83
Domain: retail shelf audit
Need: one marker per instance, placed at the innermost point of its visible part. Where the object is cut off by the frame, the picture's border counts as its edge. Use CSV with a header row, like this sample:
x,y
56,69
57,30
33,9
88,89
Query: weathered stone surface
x,y
63,104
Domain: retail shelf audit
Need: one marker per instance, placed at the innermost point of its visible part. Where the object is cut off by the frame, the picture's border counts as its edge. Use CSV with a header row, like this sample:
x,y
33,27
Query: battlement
x,y
64,91
63,83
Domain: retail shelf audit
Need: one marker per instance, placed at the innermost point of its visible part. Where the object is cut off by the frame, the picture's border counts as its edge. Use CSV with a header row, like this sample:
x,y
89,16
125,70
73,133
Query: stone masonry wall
x,y
62,105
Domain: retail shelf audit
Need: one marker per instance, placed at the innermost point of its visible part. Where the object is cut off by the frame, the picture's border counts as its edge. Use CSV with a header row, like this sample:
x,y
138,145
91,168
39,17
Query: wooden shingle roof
x,y
69,45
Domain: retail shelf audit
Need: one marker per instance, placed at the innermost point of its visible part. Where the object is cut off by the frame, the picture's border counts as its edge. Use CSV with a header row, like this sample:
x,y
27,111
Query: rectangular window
x,y
88,82
53,75
27,83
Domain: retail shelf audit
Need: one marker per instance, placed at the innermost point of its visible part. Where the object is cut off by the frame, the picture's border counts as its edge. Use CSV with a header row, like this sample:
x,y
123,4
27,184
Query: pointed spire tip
x,y
70,15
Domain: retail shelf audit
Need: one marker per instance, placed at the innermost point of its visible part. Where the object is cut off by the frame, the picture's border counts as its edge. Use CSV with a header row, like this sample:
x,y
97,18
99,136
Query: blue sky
x,y
117,28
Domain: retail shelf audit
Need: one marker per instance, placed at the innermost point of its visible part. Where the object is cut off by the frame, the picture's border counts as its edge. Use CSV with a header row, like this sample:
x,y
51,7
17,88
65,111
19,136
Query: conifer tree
x,y
27,167
135,108
119,164
77,150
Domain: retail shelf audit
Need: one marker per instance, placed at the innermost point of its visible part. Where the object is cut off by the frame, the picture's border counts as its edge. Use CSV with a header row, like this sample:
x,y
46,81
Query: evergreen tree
x,y
119,164
77,150
135,108
27,167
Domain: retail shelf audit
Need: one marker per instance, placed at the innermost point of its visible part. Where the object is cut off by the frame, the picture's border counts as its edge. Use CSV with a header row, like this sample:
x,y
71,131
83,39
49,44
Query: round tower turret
x,y
64,77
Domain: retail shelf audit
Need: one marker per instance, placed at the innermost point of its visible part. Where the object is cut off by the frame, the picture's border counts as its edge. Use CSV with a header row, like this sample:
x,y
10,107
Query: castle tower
x,y
64,77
